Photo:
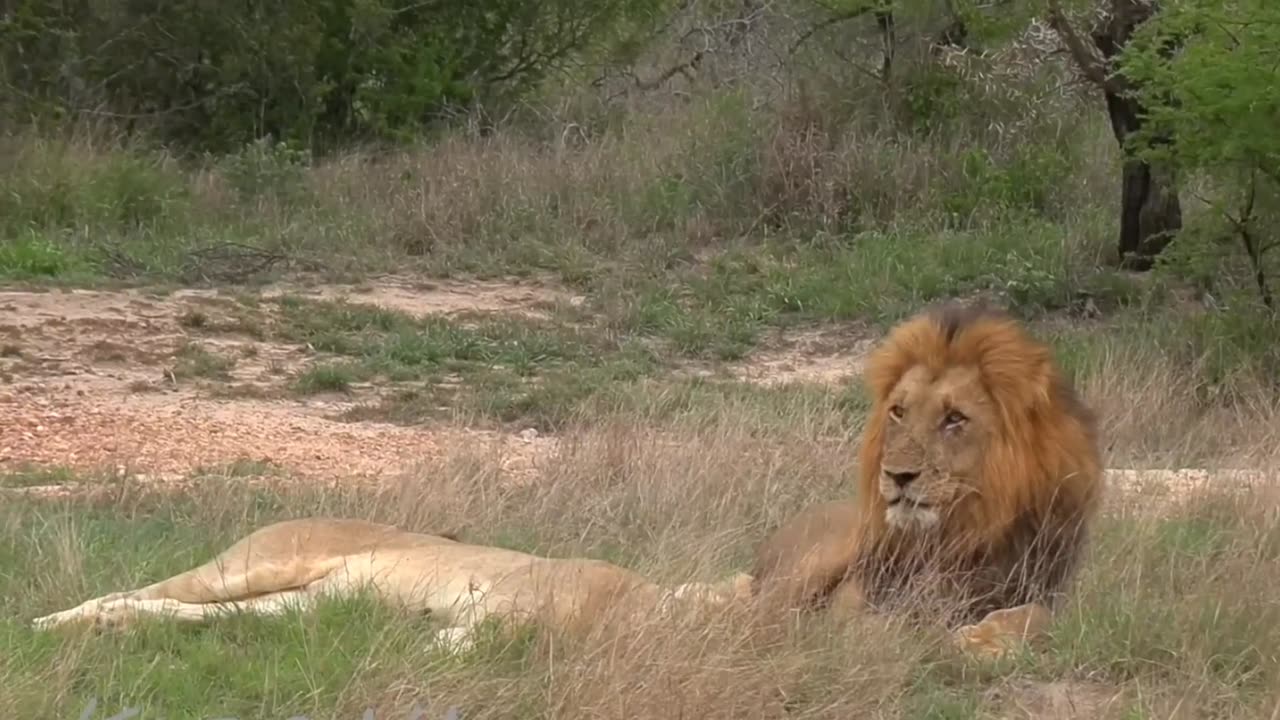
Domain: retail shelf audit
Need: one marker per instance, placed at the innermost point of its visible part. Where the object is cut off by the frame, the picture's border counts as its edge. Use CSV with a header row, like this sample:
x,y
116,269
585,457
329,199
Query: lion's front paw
x,y
1003,631
455,639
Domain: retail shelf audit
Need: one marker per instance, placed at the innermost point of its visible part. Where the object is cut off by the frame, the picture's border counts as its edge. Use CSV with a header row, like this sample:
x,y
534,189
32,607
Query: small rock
x,y
529,434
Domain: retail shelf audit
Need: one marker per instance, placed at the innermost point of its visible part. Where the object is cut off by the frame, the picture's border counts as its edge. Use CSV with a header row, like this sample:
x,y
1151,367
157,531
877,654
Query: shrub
x,y
217,76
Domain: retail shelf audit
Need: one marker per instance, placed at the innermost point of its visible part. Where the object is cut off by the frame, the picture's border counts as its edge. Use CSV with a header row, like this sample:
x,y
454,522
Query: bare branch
x,y
1085,54
677,69
889,41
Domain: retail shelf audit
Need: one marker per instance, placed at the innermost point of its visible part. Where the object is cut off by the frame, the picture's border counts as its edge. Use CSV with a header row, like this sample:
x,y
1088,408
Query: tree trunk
x,y
1150,214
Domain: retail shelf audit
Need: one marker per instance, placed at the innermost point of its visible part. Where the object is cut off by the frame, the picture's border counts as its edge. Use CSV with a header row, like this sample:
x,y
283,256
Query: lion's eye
x,y
896,412
954,418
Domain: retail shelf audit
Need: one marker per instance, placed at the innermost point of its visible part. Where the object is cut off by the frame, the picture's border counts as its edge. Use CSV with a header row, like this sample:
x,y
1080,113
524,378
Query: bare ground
x,y
88,383
827,355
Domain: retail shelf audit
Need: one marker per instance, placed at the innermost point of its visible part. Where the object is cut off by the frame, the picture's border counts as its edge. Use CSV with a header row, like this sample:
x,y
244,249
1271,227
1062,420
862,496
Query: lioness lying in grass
x,y
297,562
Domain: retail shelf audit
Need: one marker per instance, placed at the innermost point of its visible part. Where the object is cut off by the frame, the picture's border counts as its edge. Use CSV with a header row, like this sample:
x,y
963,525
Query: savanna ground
x,y
626,334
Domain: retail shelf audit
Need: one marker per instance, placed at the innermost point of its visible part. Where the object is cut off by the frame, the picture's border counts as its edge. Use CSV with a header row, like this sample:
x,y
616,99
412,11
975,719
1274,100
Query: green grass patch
x,y
404,347
327,377
33,476
717,309
33,256
500,368
193,361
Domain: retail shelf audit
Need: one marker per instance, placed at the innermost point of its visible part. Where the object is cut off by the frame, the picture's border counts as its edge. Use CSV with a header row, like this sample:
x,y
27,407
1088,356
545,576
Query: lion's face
x,y
933,444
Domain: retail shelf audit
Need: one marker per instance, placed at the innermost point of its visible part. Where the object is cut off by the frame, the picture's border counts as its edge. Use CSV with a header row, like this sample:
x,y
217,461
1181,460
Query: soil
x,y
87,382
829,355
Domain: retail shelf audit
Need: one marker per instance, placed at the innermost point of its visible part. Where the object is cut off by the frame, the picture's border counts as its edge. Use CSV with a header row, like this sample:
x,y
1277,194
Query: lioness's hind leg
x,y
285,555
210,583
120,611
220,581
240,572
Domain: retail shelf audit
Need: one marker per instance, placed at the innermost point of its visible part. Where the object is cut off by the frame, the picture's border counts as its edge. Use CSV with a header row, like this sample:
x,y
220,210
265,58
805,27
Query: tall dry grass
x,y
1156,411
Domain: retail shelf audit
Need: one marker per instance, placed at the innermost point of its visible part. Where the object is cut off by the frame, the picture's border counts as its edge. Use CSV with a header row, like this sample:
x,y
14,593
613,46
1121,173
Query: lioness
x,y
979,473
296,562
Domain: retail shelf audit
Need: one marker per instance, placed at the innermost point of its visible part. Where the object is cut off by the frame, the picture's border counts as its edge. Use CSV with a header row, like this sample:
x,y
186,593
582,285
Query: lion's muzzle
x,y
908,504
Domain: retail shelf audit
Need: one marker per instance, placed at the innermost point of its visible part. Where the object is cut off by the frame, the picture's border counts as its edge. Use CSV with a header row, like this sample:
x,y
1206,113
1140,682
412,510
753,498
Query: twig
x,y
1250,244
229,262
682,68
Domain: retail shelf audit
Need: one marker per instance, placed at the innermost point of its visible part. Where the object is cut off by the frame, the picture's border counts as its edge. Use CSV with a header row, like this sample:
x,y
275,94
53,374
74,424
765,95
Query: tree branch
x,y
678,69
888,40
1086,55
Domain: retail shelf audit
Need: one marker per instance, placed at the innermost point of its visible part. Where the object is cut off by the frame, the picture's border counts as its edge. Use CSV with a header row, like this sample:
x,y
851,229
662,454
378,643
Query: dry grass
x,y
586,188
1154,413
621,491
1172,608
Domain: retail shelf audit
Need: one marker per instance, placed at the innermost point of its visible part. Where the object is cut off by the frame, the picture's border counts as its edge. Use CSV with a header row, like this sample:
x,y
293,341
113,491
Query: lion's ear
x,y
916,341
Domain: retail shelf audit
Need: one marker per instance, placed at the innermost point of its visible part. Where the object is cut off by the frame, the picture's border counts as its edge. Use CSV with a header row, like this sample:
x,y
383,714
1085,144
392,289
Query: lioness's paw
x,y
45,622
85,611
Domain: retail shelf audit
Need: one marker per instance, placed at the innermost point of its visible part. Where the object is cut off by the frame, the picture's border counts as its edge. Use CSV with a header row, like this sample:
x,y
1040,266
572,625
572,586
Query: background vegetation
x,y
783,160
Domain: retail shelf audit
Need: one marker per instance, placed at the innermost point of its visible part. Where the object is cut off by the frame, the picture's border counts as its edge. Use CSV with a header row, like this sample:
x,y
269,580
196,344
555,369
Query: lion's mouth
x,y
919,504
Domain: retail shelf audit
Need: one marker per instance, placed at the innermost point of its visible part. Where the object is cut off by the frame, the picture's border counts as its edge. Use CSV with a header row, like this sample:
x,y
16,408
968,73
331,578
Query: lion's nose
x,y
902,478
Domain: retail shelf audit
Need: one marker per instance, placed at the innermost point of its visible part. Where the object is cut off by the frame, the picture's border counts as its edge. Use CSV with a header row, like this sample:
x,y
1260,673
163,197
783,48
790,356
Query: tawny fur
x,y
297,562
997,499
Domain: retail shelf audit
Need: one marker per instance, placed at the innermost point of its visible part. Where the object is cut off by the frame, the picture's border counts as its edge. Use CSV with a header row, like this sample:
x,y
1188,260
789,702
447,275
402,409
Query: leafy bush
x,y
217,75
61,185
1025,183
36,256
1208,72
262,168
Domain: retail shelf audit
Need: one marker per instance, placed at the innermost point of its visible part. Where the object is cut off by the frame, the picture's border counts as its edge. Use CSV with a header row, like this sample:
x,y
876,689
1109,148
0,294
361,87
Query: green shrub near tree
x,y
1209,72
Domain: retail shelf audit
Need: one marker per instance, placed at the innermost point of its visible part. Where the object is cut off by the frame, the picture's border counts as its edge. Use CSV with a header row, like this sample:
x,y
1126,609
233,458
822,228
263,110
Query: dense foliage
x,y
1209,72
215,75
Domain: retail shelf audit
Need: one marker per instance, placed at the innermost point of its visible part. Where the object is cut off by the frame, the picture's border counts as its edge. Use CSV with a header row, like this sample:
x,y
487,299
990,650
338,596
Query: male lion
x,y
979,472
296,562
